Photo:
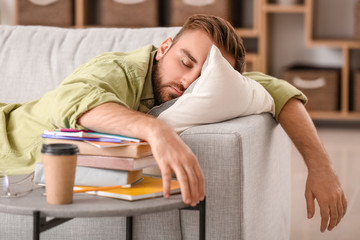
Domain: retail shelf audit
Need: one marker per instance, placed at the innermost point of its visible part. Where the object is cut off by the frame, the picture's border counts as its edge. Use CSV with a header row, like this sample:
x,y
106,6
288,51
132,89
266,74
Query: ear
x,y
164,47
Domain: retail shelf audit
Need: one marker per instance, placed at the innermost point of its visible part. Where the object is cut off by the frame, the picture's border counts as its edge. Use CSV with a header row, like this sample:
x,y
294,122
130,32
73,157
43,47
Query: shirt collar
x,y
148,93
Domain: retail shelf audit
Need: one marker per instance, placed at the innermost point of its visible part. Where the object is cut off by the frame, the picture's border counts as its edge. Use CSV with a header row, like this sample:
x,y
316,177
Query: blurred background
x,y
313,44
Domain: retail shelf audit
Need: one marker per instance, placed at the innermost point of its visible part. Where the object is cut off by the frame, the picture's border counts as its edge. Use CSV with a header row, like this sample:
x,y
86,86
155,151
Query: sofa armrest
x,y
246,164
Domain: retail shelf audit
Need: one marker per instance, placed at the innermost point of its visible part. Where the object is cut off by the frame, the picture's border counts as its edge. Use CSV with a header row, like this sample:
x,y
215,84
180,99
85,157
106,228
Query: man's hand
x,y
326,188
322,183
173,155
170,152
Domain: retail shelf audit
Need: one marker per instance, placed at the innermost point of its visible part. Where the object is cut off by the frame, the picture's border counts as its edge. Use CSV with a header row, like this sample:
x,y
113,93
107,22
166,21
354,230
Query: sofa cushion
x,y
33,67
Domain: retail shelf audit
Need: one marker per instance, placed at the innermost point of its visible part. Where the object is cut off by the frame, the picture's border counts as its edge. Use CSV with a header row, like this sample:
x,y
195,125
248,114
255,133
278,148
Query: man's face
x,y
180,65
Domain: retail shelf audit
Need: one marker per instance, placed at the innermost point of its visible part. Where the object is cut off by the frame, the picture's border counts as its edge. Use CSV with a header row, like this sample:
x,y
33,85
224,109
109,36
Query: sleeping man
x,y
114,91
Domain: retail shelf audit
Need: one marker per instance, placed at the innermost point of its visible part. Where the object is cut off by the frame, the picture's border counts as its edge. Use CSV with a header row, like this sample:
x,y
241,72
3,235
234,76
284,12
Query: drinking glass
x,y
15,185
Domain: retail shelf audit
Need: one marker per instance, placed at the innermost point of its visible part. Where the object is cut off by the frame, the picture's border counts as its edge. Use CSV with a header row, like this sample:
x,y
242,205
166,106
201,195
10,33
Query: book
x,y
89,134
97,139
95,177
119,163
149,187
128,150
102,144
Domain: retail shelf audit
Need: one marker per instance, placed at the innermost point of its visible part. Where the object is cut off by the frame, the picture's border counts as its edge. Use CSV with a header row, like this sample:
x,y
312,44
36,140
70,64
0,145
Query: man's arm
x,y
170,152
322,182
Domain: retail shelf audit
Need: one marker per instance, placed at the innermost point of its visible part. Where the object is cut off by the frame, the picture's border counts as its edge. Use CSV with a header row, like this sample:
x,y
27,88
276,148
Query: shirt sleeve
x,y
281,91
102,80
73,100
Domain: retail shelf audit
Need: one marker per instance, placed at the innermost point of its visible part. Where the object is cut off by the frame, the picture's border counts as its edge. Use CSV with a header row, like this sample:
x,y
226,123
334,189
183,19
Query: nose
x,y
186,81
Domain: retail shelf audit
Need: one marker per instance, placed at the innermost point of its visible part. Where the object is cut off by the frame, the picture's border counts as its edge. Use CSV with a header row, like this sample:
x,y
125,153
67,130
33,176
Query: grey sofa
x,y
246,161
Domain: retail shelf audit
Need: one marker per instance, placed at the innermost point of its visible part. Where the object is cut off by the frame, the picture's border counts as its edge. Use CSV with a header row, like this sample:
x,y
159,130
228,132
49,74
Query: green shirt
x,y
281,91
123,78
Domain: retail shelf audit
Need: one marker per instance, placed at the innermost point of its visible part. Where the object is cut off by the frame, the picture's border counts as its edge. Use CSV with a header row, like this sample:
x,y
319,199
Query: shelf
x,y
276,8
247,32
334,115
335,43
344,45
252,57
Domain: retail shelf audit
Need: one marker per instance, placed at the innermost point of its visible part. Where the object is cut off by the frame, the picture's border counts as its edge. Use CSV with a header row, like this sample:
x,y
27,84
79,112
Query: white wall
x,y
287,46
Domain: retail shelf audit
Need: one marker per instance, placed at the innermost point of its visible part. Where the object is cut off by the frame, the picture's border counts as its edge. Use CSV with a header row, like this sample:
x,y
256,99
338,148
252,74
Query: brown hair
x,y
223,34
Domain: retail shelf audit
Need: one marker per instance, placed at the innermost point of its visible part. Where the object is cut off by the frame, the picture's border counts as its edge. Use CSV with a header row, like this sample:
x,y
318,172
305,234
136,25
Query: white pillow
x,y
220,93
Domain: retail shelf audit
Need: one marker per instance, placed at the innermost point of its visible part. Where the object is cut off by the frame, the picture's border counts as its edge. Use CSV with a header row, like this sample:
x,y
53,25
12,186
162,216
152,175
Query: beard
x,y
161,94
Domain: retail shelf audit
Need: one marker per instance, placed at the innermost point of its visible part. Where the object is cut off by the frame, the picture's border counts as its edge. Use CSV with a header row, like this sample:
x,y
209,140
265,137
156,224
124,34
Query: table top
x,y
86,205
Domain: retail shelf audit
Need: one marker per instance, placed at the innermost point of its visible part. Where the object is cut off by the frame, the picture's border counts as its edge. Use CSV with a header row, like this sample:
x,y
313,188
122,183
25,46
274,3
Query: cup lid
x,y
60,149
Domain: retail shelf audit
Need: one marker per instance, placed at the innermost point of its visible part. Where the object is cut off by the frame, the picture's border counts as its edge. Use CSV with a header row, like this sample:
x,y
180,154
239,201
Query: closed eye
x,y
186,58
186,64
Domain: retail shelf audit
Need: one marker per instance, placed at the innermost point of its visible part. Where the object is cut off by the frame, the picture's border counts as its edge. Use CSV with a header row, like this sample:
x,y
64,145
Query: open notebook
x,y
149,187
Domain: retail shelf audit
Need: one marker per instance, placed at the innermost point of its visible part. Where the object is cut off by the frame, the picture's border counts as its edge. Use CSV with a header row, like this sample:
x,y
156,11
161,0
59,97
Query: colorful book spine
x,y
134,150
119,163
96,139
90,134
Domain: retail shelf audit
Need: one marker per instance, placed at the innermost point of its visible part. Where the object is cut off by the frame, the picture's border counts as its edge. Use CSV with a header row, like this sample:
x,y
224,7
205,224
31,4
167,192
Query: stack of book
x,y
109,165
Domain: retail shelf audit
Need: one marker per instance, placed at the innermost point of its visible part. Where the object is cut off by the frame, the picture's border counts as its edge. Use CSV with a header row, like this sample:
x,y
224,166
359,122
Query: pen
x,y
88,189
72,130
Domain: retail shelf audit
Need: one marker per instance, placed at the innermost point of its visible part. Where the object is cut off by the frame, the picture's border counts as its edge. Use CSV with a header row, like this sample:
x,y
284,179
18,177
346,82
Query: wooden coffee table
x,y
85,205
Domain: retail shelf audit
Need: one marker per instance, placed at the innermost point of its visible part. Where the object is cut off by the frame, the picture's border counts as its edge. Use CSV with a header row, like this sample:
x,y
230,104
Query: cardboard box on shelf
x,y
180,10
321,86
44,12
125,13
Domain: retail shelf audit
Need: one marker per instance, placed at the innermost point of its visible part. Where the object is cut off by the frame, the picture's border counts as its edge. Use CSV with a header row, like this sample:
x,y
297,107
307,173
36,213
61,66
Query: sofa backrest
x,y
35,59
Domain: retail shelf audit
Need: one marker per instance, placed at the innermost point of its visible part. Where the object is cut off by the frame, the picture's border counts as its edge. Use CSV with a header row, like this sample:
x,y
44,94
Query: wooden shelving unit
x,y
276,8
79,13
253,60
345,45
